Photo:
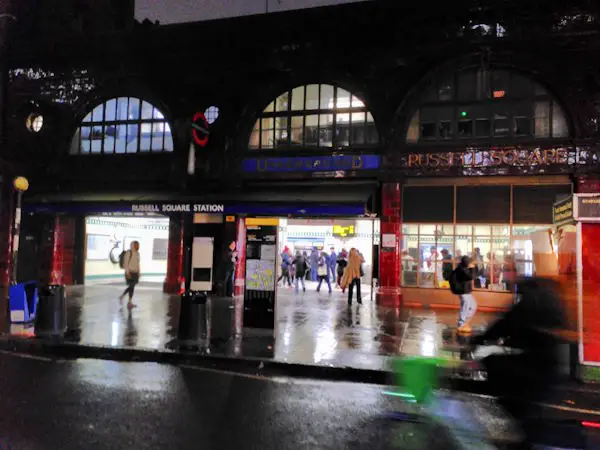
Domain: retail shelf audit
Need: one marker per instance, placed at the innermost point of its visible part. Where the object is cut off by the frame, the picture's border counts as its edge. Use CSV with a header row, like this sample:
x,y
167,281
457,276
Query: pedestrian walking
x,y
332,264
461,284
131,265
323,271
286,262
352,275
300,267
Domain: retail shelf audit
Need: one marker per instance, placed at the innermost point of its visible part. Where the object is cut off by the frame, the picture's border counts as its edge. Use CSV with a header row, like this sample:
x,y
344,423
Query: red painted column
x,y
240,270
389,293
6,219
61,269
172,284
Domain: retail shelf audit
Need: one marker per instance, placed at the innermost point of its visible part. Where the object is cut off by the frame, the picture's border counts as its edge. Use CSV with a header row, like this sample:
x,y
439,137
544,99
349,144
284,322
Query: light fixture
x,y
34,122
21,184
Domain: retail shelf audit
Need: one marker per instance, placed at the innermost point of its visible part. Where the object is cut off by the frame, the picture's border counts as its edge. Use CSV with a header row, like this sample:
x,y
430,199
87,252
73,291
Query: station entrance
x,y
107,236
316,238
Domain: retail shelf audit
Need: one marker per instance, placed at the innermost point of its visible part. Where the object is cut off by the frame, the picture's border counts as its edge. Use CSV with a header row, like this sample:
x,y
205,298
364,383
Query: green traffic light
x,y
463,114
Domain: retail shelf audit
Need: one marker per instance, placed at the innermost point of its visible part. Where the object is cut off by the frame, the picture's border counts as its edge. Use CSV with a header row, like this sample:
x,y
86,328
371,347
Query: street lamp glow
x,y
21,184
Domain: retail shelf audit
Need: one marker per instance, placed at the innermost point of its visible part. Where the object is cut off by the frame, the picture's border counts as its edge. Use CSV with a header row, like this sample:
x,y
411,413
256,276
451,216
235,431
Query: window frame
x,y
484,98
95,121
342,132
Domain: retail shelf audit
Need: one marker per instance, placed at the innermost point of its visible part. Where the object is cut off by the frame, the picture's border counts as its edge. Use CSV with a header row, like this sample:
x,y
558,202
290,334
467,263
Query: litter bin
x,y
192,316
23,301
51,317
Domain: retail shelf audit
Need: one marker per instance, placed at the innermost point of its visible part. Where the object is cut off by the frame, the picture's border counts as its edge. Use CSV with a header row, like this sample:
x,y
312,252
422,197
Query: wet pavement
x,y
100,404
105,404
311,328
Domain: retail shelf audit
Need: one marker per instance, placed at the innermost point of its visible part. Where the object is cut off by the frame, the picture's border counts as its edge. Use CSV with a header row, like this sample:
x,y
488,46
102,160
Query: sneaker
x,y
131,305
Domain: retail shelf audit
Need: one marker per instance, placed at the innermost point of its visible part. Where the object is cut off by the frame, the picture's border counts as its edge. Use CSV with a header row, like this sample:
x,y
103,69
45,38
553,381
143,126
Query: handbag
x,y
322,271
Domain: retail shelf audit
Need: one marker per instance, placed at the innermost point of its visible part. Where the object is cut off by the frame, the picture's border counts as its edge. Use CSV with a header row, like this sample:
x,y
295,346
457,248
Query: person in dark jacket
x,y
231,260
535,325
300,268
463,280
342,262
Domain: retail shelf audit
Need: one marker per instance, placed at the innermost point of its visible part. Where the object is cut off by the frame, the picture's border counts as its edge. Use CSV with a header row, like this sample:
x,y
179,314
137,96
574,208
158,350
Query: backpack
x,y
457,287
122,259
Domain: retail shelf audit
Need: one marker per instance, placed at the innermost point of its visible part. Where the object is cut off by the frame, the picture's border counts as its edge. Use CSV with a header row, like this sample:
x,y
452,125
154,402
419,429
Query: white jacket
x,y
132,261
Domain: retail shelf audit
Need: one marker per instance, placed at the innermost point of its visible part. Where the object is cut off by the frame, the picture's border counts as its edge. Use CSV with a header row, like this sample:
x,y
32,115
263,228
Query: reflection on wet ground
x,y
311,328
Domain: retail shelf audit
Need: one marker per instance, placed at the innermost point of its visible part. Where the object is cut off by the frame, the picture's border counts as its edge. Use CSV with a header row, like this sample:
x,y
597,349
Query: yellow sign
x,y
341,231
229,218
258,221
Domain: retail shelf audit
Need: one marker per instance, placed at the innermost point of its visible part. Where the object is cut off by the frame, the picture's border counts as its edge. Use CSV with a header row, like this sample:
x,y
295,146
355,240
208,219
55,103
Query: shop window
x,y
123,125
431,251
485,104
532,250
315,115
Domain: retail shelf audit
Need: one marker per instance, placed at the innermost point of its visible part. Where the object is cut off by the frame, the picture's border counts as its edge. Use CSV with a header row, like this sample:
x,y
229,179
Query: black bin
x,y
192,316
51,317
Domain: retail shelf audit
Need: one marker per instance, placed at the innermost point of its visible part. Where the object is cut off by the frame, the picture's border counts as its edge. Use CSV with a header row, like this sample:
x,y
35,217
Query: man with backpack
x,y
461,284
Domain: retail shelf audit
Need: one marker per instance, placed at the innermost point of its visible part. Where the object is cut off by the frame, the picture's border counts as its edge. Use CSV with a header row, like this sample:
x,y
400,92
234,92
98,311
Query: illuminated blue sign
x,y
312,164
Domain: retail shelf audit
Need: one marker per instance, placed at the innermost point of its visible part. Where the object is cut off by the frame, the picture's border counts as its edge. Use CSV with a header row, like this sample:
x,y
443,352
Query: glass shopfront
x,y
484,223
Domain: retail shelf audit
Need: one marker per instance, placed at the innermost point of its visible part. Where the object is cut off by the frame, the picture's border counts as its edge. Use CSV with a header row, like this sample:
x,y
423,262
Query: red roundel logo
x,y
200,130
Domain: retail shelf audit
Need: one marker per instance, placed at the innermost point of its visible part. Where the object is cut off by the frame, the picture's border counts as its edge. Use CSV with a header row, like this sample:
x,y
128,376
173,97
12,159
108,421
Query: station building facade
x,y
456,137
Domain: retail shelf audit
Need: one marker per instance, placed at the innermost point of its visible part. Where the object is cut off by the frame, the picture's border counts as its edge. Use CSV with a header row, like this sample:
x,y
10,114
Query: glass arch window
x,y
485,104
123,125
314,116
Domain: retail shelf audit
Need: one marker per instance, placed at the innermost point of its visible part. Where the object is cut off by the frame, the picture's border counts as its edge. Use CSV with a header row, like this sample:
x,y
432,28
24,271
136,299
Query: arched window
x,y
123,125
475,105
316,115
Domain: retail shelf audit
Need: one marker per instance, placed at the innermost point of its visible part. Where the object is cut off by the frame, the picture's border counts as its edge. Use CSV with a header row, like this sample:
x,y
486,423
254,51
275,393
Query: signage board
x,y
328,163
587,207
344,231
261,273
562,212
388,240
150,208
494,160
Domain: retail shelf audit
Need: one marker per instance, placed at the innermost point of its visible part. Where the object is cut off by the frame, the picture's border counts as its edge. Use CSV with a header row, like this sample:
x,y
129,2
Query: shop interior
x,y
107,237
307,236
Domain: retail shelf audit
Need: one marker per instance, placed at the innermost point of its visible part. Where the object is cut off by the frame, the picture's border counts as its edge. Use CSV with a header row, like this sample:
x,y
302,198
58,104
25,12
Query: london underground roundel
x,y
200,131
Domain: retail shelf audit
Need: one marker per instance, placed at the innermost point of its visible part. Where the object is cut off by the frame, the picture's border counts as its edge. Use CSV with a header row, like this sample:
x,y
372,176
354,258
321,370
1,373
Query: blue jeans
x,y
332,276
468,307
300,280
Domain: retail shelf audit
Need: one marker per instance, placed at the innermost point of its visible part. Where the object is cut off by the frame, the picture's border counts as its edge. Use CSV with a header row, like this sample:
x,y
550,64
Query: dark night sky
x,y
176,11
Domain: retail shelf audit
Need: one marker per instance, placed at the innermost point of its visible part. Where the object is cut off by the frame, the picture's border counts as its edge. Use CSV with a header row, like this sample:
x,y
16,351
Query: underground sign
x,y
200,129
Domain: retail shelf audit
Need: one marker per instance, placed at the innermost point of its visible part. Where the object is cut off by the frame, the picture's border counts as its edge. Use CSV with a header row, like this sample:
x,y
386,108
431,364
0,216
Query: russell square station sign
x,y
495,160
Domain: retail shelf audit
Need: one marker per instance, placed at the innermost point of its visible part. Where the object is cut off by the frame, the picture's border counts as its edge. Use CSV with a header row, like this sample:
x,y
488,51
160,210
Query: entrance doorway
x,y
313,236
107,237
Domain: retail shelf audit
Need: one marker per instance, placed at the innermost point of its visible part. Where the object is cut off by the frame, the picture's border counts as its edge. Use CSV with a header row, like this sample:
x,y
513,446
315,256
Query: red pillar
x,y
389,293
240,270
6,219
172,284
63,249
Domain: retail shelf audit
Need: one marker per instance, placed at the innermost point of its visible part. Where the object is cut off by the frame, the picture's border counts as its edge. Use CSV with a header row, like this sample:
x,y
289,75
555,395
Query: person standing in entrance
x,y
323,271
352,275
314,259
231,260
332,263
131,265
300,267
461,284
